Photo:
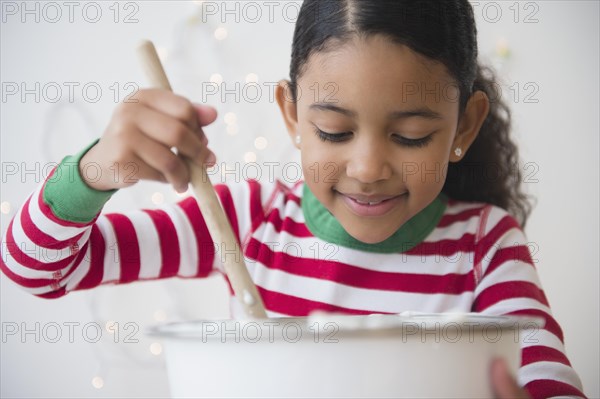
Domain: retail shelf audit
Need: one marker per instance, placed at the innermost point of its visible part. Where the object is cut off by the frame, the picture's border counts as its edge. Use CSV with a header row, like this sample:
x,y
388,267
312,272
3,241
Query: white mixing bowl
x,y
406,355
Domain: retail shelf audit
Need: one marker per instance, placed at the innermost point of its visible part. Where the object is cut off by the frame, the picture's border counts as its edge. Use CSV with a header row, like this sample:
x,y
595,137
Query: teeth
x,y
368,203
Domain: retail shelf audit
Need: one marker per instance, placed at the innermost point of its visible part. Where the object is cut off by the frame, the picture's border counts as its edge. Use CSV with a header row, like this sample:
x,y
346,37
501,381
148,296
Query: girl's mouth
x,y
371,205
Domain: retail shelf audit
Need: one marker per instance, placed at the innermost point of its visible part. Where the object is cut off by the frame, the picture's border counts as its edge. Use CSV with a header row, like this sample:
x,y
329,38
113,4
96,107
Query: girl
x,y
391,113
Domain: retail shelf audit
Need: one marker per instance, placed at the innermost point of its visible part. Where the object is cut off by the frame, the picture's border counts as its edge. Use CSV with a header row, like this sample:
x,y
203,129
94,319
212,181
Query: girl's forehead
x,y
376,67
375,55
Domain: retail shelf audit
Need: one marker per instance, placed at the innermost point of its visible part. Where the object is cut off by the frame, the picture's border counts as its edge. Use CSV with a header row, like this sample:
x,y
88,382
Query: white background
x,y
558,54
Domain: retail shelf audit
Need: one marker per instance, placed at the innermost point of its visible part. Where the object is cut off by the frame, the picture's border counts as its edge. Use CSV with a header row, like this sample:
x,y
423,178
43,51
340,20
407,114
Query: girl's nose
x,y
368,163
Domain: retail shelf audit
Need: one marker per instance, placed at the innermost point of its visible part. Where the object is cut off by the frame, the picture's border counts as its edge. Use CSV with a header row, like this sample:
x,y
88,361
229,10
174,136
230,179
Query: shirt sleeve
x,y
59,242
508,284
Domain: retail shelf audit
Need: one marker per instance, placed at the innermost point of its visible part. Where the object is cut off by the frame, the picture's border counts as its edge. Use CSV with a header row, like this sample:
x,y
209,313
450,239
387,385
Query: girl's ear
x,y
288,108
470,122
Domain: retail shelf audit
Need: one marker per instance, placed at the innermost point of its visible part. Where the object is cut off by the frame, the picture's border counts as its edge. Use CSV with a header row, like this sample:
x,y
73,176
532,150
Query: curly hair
x,y
443,31
490,171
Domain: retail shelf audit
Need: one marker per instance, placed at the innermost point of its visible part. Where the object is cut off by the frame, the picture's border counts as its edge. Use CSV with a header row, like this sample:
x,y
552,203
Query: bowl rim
x,y
352,324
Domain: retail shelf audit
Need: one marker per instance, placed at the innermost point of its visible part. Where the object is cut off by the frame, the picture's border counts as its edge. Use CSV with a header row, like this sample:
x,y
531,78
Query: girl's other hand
x,y
504,384
139,139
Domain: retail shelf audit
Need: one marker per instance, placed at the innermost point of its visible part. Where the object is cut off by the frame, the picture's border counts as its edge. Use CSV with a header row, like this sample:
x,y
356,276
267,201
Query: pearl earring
x,y
458,151
298,140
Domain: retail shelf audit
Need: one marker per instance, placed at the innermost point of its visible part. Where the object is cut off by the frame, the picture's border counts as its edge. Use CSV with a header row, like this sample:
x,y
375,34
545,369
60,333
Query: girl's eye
x,y
334,137
422,142
343,136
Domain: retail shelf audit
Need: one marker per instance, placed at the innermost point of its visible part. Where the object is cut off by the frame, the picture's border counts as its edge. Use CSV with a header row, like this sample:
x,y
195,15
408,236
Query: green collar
x,y
324,225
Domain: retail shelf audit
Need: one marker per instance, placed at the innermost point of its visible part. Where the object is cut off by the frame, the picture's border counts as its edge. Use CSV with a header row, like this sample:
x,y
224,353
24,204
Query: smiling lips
x,y
370,205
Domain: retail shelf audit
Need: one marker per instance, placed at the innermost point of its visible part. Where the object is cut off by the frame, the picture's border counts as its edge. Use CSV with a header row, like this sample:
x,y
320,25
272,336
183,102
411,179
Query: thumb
x,y
503,383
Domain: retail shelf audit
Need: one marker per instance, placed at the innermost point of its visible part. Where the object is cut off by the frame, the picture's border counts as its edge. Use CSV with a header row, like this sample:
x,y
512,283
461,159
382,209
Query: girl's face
x,y
378,124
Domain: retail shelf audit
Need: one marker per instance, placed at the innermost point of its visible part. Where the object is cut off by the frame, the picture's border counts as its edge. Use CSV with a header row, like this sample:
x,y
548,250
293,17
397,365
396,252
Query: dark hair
x,y
443,31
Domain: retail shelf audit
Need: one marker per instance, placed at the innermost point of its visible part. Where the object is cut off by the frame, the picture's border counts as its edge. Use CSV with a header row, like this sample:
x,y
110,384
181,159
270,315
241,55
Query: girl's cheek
x,y
322,173
425,167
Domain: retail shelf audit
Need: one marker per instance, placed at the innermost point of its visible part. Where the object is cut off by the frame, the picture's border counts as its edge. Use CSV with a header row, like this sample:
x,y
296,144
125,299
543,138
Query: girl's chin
x,y
369,236
369,230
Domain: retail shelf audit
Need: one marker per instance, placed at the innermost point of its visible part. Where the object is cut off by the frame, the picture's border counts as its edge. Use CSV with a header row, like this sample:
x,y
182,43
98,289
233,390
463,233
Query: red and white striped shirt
x,y
475,259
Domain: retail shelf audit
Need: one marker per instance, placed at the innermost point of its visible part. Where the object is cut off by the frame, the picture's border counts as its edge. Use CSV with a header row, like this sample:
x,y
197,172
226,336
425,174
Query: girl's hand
x,y
138,140
504,384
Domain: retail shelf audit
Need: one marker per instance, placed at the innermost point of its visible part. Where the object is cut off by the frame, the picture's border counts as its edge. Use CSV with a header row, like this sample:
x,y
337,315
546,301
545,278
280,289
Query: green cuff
x,y
69,197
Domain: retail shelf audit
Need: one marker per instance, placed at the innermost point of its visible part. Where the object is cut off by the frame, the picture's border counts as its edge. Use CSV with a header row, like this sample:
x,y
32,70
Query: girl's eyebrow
x,y
423,112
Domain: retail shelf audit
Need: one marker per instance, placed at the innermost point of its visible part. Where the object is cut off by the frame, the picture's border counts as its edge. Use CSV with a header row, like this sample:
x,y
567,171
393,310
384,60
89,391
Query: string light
x,y
5,207
193,19
160,315
502,48
216,78
231,122
260,143
252,78
157,198
156,348
110,326
232,129
230,118
221,33
249,157
97,382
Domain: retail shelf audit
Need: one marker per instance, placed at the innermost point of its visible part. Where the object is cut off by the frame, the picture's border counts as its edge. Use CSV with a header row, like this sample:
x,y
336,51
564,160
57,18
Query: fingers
x,y
170,104
143,134
194,115
211,160
206,114
503,383
137,169
172,133
160,163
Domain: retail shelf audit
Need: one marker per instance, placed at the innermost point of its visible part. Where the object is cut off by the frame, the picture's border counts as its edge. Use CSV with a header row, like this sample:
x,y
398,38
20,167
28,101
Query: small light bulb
x,y
160,315
110,326
232,129
249,157
5,207
230,118
158,198
260,143
216,78
252,78
502,48
97,382
156,348
220,33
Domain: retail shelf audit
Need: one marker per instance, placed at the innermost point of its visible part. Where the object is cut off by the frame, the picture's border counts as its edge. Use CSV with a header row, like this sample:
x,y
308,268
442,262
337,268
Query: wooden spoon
x,y
214,216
